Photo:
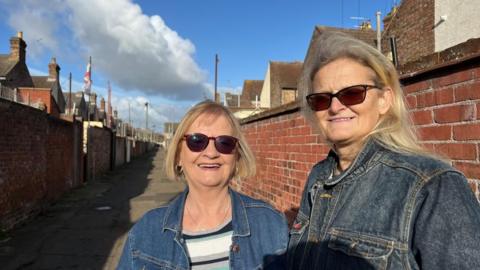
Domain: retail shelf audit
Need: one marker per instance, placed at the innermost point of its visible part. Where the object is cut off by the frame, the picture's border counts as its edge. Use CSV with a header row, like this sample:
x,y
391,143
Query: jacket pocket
x,y
144,261
350,250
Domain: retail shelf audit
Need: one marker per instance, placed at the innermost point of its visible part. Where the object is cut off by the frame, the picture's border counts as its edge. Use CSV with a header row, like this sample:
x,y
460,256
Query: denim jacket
x,y
386,211
259,241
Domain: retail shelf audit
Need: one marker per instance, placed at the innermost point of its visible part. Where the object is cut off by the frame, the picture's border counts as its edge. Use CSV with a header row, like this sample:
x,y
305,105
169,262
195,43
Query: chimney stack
x,y
17,48
102,104
53,70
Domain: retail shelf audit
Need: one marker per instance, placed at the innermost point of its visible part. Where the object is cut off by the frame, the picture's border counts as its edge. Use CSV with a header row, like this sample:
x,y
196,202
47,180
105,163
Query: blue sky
x,y
163,51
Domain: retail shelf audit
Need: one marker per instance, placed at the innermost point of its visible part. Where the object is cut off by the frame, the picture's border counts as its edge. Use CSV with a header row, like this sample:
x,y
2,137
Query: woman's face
x,y
348,125
208,168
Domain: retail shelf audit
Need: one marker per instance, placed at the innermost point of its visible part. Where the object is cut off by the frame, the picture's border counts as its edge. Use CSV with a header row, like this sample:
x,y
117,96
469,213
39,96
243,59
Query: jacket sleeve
x,y
126,261
277,261
446,228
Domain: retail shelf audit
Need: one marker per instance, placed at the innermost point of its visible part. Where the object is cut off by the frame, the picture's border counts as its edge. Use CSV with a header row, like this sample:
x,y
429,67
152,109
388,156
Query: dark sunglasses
x,y
197,142
348,96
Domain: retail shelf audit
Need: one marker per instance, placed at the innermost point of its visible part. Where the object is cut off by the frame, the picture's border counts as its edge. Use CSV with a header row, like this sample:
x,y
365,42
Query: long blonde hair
x,y
395,129
245,165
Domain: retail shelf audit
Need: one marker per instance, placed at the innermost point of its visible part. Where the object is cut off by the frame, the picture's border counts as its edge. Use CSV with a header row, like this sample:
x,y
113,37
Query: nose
x,y
336,105
211,150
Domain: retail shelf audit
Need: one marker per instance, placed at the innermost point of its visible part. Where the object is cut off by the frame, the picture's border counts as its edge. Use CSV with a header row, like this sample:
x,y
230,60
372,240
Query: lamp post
x,y
146,115
216,68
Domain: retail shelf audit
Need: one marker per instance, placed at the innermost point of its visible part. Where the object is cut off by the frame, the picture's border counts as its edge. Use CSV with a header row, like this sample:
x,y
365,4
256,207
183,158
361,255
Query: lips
x,y
340,119
209,165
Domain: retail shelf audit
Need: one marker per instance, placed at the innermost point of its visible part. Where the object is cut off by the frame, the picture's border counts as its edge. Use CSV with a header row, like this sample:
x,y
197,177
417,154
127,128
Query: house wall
x,y
36,161
444,104
412,25
265,94
462,22
35,96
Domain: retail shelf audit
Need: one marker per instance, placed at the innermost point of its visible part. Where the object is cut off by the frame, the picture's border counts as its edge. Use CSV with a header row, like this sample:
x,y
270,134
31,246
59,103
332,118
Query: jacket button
x,y
297,226
235,248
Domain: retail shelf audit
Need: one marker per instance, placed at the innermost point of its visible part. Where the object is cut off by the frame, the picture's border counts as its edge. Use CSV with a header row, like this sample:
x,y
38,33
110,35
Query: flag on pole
x,y
109,106
87,78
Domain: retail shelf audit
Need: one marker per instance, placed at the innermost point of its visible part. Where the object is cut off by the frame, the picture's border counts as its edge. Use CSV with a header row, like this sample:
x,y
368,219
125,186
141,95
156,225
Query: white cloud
x,y
133,50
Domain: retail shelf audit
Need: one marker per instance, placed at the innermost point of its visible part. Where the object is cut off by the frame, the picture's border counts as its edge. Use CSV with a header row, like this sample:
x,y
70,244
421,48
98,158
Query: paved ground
x,y
86,229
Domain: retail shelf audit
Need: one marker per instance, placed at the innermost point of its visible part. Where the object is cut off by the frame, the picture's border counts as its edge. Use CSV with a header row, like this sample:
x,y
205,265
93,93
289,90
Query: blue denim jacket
x,y
386,211
259,241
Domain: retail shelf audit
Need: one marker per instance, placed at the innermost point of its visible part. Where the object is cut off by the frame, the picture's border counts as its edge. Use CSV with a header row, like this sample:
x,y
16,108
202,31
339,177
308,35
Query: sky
x,y
163,52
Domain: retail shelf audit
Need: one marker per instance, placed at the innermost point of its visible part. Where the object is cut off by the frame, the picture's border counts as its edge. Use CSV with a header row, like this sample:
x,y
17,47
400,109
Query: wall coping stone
x,y
276,111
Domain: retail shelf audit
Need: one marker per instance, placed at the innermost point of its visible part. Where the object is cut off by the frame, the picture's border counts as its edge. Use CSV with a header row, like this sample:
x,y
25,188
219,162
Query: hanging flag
x,y
87,79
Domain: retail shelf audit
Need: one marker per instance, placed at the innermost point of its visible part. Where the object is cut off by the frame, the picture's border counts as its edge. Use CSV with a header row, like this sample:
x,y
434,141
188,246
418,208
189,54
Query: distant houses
x,y
45,92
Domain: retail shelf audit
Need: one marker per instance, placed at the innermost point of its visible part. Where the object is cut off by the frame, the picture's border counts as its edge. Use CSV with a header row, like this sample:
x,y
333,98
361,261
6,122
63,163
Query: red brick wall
x,y
412,25
61,160
444,104
120,151
99,152
445,107
285,149
36,161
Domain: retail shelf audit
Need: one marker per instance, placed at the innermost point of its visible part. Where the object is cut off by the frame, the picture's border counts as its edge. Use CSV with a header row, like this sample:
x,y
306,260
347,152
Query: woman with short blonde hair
x,y
209,225
246,161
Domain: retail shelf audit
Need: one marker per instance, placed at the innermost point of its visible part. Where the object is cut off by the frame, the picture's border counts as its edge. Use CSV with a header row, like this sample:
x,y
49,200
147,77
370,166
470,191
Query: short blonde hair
x,y
245,165
395,129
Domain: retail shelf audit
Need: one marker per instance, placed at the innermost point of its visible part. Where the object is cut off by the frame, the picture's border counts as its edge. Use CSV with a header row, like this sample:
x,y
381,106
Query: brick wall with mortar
x,y
35,161
99,152
39,95
445,107
120,151
285,149
444,104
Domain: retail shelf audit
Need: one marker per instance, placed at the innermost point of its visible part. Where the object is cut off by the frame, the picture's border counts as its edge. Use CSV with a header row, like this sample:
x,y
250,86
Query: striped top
x,y
210,249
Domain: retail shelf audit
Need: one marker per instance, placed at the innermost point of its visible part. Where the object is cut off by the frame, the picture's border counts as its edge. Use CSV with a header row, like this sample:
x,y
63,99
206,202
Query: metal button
x,y
235,248
297,226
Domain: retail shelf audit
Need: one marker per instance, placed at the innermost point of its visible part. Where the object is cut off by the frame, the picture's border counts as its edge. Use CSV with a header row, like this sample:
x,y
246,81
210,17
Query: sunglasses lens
x,y
349,96
196,142
352,95
225,144
318,102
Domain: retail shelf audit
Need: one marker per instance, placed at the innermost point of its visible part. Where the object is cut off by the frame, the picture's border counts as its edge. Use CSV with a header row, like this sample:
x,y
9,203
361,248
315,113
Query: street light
x,y
146,116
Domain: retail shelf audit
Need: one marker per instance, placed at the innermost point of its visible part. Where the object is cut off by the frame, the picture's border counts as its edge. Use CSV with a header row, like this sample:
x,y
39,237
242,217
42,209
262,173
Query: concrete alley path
x,y
86,229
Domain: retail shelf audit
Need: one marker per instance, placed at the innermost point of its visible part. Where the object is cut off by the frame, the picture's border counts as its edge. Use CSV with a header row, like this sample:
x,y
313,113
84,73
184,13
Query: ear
x,y
385,100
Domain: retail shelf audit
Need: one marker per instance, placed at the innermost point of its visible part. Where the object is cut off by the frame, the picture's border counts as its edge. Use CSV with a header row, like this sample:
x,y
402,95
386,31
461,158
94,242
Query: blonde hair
x,y
245,165
395,129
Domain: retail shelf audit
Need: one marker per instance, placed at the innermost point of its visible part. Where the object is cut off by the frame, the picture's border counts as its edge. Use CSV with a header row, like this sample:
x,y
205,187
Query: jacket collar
x,y
174,214
364,159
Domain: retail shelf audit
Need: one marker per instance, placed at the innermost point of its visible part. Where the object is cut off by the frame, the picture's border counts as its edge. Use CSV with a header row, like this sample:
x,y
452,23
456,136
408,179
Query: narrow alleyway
x,y
87,227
